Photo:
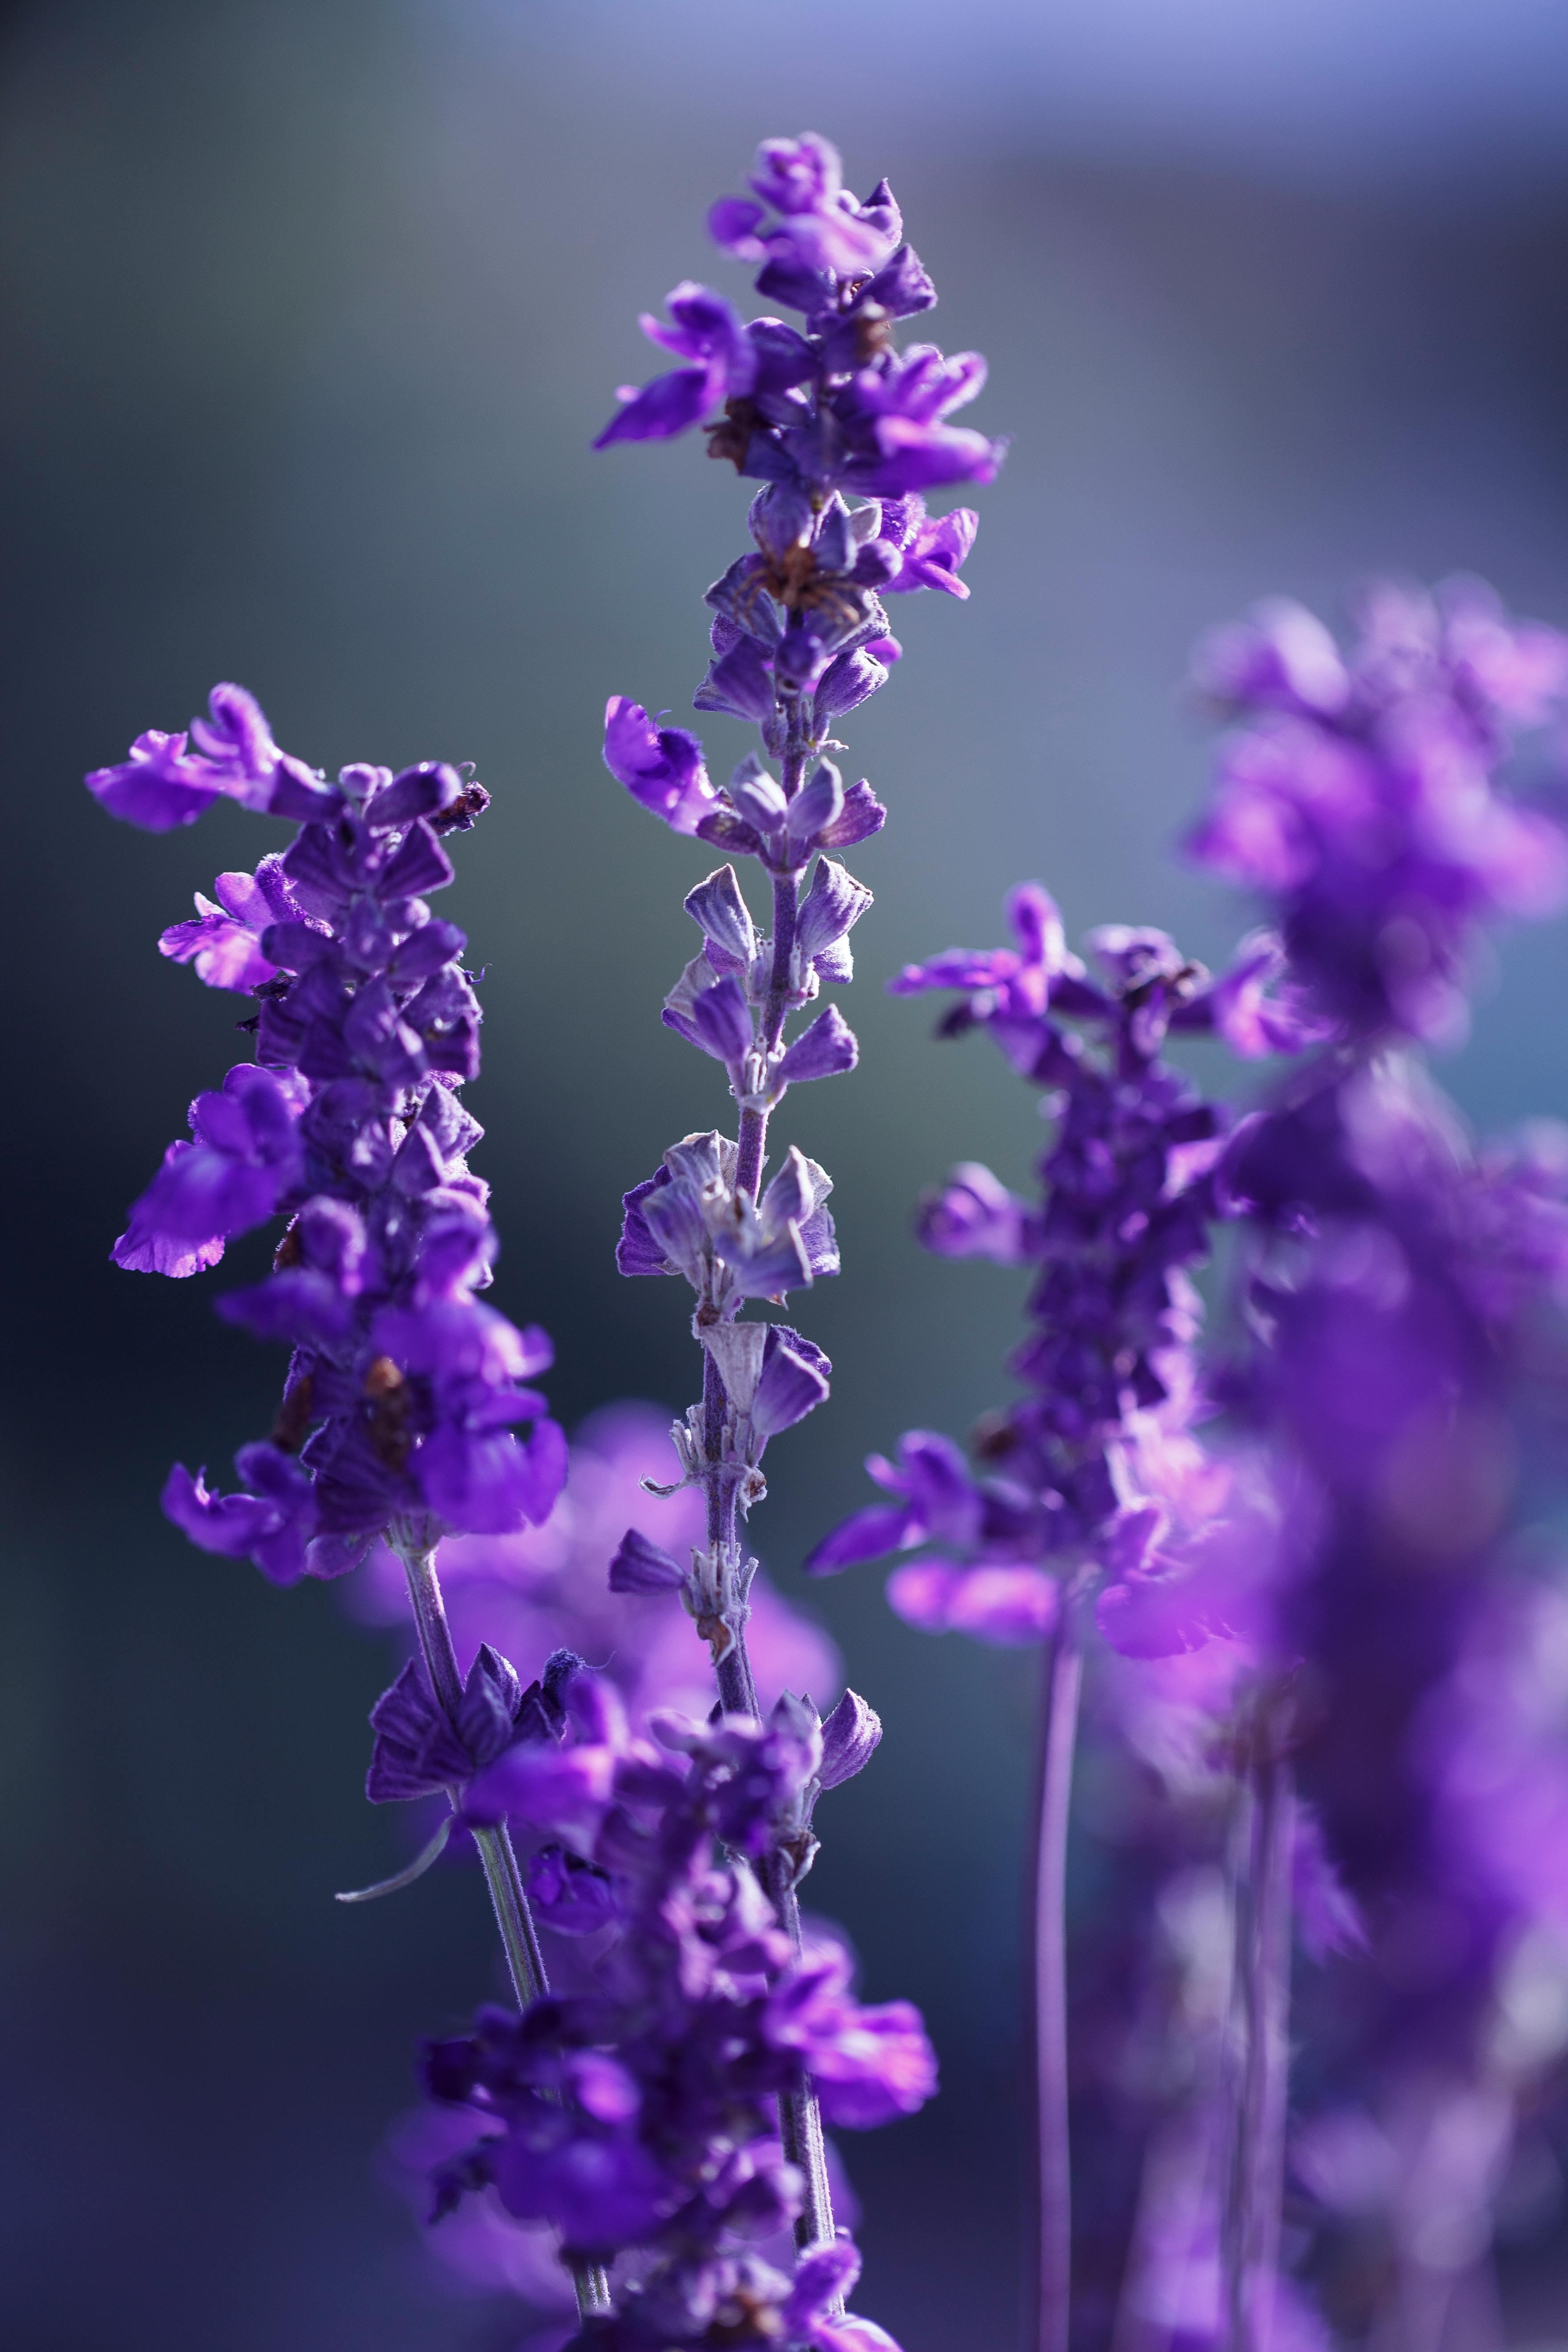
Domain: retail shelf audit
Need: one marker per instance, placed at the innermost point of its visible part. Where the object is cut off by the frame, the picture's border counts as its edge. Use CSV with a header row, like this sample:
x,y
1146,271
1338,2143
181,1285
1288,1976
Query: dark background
x,y
313,307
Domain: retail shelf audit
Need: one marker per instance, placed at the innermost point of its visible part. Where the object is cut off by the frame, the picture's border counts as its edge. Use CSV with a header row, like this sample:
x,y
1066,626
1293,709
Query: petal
x,y
870,1534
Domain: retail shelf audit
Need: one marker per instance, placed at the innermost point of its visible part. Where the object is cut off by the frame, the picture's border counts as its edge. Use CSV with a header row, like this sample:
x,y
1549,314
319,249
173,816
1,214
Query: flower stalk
x,y
1062,1684
1250,2235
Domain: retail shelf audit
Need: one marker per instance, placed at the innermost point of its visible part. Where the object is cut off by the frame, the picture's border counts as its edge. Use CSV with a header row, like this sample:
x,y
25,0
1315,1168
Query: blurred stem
x,y
1250,2235
519,1936
1058,1735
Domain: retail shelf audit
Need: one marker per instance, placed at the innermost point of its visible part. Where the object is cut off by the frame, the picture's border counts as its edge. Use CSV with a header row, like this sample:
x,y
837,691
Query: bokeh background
x,y
313,307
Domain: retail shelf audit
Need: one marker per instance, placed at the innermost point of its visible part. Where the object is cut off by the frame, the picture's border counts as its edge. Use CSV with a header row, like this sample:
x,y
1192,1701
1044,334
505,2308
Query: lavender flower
x,y
1359,794
1396,1370
799,636
590,2121
1094,1478
403,1392
1097,1462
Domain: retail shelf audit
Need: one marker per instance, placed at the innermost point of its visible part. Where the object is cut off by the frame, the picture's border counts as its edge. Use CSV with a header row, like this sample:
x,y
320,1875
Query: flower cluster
x,y
1097,1462
1359,794
638,2115
846,434
1397,1372
403,1392
820,416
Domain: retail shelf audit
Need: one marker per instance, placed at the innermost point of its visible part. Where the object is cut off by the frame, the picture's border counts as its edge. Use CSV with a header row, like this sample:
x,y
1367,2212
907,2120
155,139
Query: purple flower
x,y
272,1527
246,1158
1095,1463
639,2113
405,1393
870,2065
165,784
688,1218
822,233
420,1750
931,549
973,1214
707,332
225,941
1360,795
894,416
661,768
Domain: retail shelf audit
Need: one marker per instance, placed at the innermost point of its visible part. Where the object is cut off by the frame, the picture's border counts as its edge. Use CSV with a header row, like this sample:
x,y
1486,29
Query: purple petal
x,y
870,1534
835,902
974,1216
422,790
1008,1607
722,1019
733,224
669,405
823,1051
157,787
638,1252
661,768
863,816
822,2274
793,1382
850,1735
420,867
740,683
1154,1616
719,909
641,1566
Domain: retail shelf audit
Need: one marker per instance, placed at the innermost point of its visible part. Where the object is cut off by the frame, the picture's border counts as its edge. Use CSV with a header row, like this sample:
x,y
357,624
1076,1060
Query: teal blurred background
x,y
313,307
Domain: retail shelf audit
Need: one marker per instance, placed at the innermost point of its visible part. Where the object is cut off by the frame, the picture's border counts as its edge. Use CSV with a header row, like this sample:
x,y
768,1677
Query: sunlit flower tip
x,y
661,768
722,365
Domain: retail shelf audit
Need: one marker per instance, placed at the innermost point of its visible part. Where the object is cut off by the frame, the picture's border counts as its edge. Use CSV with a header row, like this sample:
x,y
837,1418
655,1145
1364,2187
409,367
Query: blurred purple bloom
x,y
1360,795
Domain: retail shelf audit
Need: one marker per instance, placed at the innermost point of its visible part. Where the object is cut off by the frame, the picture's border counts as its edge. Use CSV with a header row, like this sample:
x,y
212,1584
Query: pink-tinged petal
x,y
852,2335
1008,1607
146,1247
226,954
922,1594
1154,1616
